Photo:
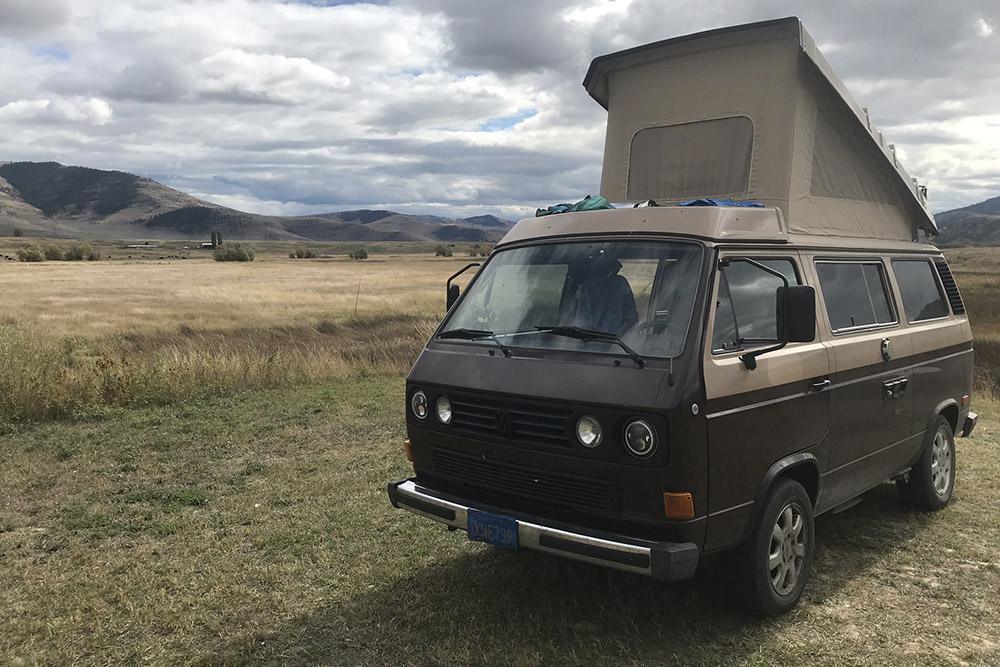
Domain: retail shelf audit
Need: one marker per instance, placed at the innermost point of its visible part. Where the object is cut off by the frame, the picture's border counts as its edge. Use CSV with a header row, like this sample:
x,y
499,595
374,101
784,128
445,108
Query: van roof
x,y
719,224
752,112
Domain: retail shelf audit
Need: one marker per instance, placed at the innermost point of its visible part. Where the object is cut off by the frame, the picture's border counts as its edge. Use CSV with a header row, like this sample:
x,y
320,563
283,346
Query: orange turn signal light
x,y
678,505
408,450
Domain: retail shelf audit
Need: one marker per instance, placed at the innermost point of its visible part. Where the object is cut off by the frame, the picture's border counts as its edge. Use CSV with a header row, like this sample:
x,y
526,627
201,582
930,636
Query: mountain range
x,y
52,200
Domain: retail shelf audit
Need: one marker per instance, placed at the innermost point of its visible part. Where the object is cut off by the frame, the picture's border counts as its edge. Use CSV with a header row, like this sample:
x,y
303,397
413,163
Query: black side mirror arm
x,y
452,296
749,359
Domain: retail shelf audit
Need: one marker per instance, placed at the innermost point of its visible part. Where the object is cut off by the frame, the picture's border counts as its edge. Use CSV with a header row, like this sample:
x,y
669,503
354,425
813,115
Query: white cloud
x,y
299,107
91,111
237,74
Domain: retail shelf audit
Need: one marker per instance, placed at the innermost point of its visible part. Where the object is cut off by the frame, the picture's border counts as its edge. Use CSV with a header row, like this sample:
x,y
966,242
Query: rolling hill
x,y
978,224
53,200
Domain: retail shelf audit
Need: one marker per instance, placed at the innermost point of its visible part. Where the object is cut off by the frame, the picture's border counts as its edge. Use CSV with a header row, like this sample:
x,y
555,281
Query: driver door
x,y
757,417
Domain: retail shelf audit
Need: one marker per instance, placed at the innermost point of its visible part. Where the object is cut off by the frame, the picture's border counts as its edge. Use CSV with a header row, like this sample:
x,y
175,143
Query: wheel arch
x,y
801,467
949,409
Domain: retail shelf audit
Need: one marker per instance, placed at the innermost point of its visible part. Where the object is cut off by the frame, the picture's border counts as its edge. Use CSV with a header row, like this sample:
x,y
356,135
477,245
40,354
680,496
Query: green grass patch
x,y
257,531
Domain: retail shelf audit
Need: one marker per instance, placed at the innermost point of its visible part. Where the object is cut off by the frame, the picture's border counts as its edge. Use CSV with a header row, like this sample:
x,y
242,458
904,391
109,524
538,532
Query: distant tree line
x,y
77,252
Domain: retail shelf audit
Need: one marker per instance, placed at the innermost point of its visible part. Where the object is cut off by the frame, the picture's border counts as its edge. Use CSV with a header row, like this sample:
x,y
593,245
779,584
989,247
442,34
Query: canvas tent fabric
x,y
751,112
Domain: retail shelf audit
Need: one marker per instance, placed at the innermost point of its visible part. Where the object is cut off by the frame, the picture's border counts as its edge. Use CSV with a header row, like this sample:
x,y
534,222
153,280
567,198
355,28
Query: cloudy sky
x,y
455,107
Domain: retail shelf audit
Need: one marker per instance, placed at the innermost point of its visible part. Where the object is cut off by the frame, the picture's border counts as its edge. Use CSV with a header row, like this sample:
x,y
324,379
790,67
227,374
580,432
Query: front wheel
x,y
932,479
778,557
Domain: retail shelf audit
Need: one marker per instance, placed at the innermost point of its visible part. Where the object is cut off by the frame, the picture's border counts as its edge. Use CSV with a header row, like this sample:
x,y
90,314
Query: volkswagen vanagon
x,y
641,386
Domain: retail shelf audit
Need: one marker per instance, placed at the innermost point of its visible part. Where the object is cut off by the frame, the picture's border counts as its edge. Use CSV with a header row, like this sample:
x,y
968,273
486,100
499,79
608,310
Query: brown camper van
x,y
640,386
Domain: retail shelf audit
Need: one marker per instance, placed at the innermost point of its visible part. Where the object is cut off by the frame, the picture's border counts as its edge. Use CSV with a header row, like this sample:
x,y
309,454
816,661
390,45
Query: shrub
x,y
18,232
81,251
302,253
53,252
235,252
30,253
358,254
443,251
479,250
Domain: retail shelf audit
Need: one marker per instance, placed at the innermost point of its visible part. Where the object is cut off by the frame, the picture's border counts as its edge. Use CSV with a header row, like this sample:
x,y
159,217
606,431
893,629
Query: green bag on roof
x,y
591,203
588,203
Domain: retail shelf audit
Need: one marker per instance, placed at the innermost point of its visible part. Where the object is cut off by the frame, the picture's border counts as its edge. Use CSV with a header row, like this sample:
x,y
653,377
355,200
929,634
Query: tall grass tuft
x,y
46,377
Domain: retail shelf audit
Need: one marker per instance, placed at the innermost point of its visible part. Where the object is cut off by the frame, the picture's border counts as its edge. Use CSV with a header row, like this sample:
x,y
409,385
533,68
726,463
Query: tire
x,y
931,481
778,557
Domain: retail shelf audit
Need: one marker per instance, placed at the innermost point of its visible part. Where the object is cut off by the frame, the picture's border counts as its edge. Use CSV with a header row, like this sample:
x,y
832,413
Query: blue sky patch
x,y
52,51
506,122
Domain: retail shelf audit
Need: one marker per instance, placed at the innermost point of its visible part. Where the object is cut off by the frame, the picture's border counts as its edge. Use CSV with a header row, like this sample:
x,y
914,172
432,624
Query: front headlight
x,y
640,438
418,403
588,431
444,410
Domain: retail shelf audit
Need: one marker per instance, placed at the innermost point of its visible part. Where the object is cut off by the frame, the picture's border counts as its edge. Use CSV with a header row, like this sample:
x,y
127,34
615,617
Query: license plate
x,y
495,529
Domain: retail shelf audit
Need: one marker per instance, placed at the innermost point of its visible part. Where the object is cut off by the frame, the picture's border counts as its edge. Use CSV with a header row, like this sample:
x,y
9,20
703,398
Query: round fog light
x,y
588,431
418,403
444,410
640,438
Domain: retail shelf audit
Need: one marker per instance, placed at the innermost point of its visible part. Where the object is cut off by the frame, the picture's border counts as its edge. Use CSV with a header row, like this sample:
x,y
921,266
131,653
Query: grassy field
x,y
234,512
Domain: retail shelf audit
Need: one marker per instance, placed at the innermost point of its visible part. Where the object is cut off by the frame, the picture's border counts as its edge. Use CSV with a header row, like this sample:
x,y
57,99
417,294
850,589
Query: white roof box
x,y
751,112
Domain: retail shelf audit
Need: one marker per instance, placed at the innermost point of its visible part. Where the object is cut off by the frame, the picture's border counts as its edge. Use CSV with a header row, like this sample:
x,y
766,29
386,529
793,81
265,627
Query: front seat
x,y
603,301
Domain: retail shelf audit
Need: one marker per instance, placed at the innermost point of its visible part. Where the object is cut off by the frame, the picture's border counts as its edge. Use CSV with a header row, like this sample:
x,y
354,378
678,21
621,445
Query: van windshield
x,y
640,291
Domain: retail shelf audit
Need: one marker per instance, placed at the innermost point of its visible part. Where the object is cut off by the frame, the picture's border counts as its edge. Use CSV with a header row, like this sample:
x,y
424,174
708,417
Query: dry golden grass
x,y
74,337
99,298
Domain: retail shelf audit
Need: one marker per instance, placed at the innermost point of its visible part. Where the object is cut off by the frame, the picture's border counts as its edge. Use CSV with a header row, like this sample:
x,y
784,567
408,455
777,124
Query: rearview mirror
x,y
453,294
796,314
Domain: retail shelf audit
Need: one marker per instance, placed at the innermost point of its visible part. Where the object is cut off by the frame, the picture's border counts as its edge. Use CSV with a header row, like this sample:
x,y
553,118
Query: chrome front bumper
x,y
667,561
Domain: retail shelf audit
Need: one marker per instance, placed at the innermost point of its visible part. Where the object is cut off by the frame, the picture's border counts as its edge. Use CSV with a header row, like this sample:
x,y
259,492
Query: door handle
x,y
894,387
820,385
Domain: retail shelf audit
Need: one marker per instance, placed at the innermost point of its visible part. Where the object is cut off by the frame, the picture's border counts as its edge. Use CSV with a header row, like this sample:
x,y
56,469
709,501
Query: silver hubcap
x,y
787,550
941,464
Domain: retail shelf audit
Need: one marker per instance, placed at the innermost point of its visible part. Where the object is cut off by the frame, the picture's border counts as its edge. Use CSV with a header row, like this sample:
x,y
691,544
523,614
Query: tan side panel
x,y
725,374
930,336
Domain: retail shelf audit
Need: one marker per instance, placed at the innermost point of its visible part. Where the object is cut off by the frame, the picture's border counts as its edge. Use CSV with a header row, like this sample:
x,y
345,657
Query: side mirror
x,y
451,290
453,294
796,314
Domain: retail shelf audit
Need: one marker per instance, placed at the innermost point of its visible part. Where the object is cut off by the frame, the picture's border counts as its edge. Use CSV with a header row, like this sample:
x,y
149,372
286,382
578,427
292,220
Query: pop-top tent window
x,y
709,157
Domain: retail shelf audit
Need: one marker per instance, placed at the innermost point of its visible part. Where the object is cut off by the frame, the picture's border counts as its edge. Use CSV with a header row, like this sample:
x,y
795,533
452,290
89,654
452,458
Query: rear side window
x,y
746,309
855,294
922,298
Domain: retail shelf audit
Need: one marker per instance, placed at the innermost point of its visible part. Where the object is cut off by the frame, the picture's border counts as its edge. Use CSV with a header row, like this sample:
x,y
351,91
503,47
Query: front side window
x,y
699,159
746,303
922,299
855,294
641,291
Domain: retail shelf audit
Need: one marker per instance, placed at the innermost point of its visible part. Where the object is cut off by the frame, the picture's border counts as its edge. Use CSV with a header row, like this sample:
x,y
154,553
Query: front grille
x,y
950,287
508,480
513,420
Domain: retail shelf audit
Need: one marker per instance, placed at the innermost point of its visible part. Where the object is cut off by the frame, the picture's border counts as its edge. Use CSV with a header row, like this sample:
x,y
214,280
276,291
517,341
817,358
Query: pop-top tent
x,y
752,112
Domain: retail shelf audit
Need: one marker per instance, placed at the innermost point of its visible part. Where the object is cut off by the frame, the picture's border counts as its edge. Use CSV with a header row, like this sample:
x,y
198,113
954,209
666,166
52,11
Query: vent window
x,y
950,287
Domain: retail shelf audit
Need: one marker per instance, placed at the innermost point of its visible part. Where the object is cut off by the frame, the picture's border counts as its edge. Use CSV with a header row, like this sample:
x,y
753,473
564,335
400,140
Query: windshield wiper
x,y
475,334
585,335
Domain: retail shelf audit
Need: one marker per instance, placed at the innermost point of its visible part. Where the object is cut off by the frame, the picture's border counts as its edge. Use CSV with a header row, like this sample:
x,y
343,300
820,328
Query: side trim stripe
x,y
801,394
730,509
